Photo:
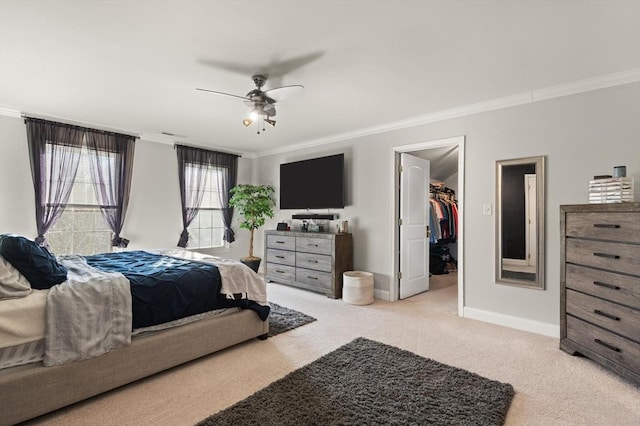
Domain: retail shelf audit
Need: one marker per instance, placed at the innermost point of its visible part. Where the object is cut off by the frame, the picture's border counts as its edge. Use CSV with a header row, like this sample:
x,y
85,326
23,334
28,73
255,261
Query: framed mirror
x,y
520,195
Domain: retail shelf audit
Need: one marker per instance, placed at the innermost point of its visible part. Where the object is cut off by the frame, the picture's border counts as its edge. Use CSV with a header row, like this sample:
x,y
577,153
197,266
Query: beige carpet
x,y
552,388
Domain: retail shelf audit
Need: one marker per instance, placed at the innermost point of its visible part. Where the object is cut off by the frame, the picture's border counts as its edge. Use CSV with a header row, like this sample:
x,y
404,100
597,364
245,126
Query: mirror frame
x,y
539,282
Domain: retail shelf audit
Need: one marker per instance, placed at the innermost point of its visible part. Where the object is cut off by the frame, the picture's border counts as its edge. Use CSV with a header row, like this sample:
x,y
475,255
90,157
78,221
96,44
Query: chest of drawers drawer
x,y
281,272
316,279
619,288
612,316
318,262
604,343
283,257
604,226
282,242
603,254
314,245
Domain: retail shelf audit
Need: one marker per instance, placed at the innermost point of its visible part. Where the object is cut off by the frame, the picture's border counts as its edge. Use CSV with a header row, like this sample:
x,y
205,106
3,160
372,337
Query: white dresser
x,y
308,260
600,284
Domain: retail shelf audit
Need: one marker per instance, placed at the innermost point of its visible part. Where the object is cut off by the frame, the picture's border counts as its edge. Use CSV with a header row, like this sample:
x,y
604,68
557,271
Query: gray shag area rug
x,y
370,383
283,319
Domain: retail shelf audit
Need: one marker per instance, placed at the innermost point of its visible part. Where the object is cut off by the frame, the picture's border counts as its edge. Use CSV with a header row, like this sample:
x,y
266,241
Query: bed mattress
x,y
22,329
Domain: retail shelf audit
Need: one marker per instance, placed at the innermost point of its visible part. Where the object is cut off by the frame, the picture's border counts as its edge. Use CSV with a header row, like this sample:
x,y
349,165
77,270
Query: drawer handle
x,y
611,286
313,261
313,278
280,257
606,315
606,345
280,242
605,225
313,245
280,272
607,255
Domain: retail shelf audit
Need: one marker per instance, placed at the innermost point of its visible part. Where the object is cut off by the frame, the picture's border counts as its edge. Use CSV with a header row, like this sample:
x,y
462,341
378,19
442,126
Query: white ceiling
x,y
133,66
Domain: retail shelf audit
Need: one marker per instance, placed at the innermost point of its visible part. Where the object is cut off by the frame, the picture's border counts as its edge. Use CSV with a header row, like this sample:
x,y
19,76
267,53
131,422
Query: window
x,y
81,229
207,228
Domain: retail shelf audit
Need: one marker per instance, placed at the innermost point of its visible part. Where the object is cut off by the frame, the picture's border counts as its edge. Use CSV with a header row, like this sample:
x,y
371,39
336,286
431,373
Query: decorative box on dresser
x,y
600,284
308,260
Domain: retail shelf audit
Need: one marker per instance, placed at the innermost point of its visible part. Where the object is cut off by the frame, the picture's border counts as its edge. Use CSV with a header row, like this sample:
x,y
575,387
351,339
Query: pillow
x,y
34,262
12,282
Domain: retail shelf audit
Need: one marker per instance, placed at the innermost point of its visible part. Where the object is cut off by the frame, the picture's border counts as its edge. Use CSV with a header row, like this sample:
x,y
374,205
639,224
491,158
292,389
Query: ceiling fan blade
x,y
280,93
222,93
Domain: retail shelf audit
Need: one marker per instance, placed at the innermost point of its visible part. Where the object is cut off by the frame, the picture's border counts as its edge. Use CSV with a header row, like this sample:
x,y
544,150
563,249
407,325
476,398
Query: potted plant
x,y
254,203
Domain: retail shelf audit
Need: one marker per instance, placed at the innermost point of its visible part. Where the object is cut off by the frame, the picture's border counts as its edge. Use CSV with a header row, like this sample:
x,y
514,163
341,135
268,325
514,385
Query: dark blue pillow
x,y
34,262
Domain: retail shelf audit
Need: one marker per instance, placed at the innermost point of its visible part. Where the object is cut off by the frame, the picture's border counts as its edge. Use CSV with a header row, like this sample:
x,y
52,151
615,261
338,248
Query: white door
x,y
414,216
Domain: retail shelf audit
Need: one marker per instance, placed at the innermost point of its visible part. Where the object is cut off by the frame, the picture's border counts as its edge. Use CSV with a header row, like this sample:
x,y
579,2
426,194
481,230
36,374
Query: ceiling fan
x,y
261,103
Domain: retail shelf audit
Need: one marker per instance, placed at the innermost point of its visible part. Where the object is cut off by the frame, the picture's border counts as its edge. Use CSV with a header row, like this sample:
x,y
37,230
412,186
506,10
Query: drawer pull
x,y
611,286
280,272
607,255
605,225
606,315
312,245
313,261
312,278
280,257
606,345
280,242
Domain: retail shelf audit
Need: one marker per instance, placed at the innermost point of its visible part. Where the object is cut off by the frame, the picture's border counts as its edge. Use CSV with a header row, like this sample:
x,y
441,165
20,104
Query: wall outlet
x,y
487,210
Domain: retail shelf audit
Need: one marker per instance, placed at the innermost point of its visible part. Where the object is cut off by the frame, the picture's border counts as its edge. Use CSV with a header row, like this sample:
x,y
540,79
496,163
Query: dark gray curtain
x,y
54,152
193,165
111,160
226,180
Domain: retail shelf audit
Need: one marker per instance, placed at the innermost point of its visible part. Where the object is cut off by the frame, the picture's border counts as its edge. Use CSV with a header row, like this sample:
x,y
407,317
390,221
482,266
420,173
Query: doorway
x,y
428,150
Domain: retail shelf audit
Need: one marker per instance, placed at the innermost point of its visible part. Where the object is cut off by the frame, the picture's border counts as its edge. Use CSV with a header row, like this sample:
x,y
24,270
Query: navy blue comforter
x,y
164,288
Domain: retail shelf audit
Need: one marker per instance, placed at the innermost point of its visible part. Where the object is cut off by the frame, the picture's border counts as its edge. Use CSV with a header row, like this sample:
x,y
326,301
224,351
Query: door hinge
x,y
400,168
399,275
399,222
428,231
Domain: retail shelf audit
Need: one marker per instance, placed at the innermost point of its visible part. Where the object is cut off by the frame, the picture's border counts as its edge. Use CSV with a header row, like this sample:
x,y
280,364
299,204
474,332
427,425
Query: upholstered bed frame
x,y
28,391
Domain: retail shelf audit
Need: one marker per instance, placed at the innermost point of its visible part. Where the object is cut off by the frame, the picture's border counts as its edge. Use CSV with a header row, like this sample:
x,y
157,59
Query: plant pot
x,y
254,263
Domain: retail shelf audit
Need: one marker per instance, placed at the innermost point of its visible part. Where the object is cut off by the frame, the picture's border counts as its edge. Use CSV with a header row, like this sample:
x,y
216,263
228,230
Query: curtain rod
x,y
175,145
77,126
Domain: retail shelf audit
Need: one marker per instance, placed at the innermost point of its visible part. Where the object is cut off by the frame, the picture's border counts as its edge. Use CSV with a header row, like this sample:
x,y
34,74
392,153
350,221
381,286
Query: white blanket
x,y
237,278
87,315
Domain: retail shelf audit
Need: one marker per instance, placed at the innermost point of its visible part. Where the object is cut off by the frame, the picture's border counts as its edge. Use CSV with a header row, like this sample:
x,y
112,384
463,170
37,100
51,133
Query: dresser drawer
x,y
280,272
619,319
613,256
283,257
314,245
618,288
317,279
604,226
608,345
319,262
284,242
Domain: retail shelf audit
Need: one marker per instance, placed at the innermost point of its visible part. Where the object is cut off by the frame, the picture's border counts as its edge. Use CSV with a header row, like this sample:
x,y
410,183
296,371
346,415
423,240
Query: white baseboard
x,y
381,294
524,324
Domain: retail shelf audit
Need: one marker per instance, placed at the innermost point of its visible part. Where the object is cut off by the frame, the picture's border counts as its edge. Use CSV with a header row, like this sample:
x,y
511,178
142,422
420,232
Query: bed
x,y
28,388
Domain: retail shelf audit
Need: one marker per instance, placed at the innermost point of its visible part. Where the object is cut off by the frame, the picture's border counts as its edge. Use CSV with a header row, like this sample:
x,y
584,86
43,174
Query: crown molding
x,y
10,112
572,88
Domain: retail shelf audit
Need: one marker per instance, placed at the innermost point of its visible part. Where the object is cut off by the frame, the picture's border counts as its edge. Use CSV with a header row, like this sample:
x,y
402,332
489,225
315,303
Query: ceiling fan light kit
x,y
261,106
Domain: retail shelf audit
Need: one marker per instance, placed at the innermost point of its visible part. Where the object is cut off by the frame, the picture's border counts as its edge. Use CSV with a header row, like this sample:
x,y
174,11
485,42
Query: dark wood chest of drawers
x,y
312,261
600,284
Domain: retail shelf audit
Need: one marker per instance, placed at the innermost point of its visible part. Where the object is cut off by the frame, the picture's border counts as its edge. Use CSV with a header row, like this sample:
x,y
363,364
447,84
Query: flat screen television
x,y
317,183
